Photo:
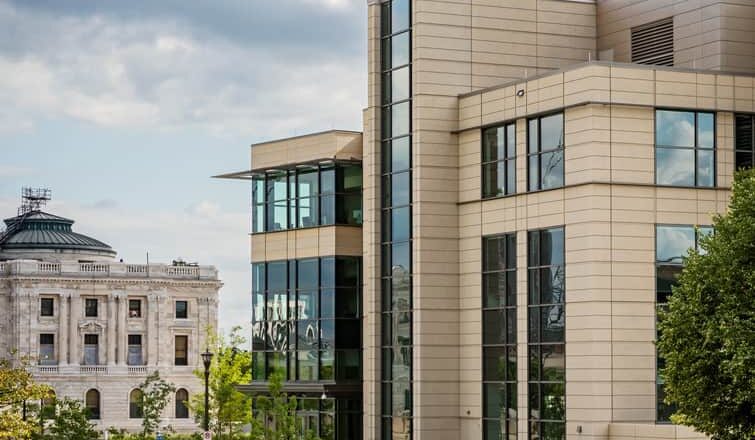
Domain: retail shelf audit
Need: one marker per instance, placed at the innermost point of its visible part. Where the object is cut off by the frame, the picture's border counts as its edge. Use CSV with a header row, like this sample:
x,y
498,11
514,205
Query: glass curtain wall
x,y
499,160
306,197
396,236
545,152
546,280
499,337
306,319
671,245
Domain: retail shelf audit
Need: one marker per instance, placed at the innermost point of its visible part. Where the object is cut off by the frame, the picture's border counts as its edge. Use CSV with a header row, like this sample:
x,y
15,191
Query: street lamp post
x,y
207,360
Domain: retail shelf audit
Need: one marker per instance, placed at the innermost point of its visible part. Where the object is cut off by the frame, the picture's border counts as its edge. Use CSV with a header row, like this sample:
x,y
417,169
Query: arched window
x,y
135,404
92,400
182,411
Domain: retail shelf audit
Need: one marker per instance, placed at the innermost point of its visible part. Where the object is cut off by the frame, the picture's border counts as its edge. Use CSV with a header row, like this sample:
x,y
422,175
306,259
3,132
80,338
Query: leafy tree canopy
x,y
707,334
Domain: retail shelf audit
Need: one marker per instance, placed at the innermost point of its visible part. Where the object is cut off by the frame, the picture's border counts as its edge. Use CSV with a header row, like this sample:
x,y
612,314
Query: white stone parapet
x,y
105,270
42,371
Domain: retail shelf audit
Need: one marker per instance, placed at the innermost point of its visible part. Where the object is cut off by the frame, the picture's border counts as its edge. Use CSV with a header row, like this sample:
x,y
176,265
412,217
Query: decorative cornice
x,y
98,281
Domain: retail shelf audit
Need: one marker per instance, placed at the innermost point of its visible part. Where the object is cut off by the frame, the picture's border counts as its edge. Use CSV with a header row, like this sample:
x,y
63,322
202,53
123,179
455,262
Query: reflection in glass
x,y
400,84
401,224
552,169
705,168
675,128
399,15
400,154
400,119
673,242
552,132
675,166
400,50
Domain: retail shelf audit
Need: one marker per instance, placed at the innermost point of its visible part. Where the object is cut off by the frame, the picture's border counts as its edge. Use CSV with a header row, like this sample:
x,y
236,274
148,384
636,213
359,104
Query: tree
x,y
229,409
281,411
17,387
156,393
70,421
707,334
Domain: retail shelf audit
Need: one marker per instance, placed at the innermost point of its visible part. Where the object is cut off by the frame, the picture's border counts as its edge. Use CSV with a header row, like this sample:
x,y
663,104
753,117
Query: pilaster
x,y
63,317
73,337
112,317
122,336
152,329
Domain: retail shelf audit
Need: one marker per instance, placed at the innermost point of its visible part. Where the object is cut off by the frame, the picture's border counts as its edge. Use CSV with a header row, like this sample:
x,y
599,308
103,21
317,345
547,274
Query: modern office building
x,y
94,328
532,173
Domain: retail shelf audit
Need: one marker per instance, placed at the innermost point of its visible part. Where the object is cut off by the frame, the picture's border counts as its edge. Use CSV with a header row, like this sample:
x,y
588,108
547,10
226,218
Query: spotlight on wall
x,y
579,429
520,93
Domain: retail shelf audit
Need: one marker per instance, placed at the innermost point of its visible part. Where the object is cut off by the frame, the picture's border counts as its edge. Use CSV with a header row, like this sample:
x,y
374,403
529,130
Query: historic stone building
x,y
96,327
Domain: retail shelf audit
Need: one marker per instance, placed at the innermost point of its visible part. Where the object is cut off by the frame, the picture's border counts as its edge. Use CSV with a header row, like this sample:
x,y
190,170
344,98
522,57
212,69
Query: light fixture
x,y
520,93
323,397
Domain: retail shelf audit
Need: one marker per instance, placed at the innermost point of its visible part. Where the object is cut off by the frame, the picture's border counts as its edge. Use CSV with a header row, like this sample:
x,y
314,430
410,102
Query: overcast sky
x,y
125,108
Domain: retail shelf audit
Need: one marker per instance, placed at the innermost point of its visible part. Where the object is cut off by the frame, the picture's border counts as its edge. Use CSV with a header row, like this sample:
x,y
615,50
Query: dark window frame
x,y
134,308
178,360
505,308
131,339
136,404
94,412
182,313
48,340
47,307
695,148
539,382
181,410
88,307
284,332
328,207
507,158
537,155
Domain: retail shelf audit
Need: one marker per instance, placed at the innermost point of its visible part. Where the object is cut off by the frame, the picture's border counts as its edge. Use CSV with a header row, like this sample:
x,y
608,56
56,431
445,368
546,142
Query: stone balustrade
x,y
108,370
106,269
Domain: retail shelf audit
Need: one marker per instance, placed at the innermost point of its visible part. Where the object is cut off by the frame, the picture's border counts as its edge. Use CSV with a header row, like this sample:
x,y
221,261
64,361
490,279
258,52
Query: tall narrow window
x,y
744,141
182,397
546,321
258,204
671,245
91,349
685,145
499,373
182,309
136,404
134,308
545,152
277,202
47,349
46,306
396,215
90,307
182,350
92,400
135,350
499,160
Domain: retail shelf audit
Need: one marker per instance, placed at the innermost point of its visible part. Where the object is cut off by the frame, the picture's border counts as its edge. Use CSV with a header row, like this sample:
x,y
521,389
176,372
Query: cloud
x,y
15,171
107,67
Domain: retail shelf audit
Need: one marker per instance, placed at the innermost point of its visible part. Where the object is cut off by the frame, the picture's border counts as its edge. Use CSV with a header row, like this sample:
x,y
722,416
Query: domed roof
x,y
40,230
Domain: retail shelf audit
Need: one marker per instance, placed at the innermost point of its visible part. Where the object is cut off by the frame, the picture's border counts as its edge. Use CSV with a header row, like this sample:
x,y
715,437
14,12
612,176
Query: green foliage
x,y
708,331
17,387
156,393
280,410
69,421
230,409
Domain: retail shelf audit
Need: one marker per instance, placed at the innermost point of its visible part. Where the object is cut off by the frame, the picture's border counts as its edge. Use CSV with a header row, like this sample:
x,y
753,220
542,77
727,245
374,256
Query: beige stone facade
x,y
78,314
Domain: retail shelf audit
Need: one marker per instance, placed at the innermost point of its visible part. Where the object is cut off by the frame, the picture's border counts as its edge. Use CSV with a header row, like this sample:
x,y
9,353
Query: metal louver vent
x,y
653,43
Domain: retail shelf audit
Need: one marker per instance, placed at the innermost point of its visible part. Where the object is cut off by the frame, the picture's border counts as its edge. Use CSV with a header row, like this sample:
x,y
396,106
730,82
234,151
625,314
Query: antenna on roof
x,y
32,199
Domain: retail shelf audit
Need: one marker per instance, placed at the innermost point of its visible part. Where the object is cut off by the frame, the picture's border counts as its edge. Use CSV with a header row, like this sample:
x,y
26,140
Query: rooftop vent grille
x,y
653,43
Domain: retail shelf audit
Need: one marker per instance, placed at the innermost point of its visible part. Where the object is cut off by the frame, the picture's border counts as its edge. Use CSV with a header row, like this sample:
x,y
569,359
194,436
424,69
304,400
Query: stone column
x,y
112,322
63,317
73,341
122,336
164,357
151,337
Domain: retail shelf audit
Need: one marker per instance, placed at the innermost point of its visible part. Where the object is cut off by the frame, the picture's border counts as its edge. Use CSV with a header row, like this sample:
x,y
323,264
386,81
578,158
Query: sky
x,y
125,110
